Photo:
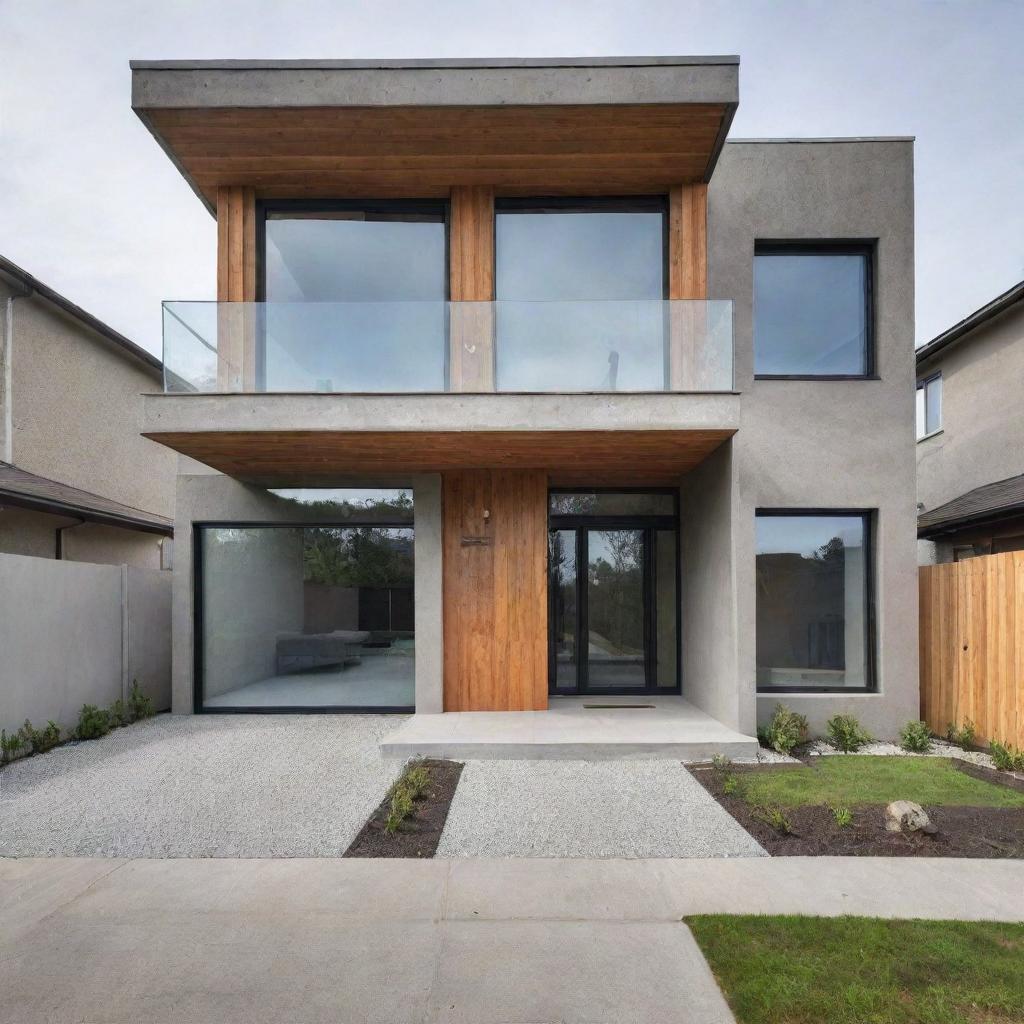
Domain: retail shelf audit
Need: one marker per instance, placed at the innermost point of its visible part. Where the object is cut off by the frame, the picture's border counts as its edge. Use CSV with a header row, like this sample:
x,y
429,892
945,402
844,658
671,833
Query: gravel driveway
x,y
201,786
588,809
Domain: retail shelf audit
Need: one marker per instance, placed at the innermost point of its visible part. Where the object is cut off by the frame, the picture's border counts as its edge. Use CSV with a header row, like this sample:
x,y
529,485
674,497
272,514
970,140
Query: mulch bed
x,y
962,831
419,834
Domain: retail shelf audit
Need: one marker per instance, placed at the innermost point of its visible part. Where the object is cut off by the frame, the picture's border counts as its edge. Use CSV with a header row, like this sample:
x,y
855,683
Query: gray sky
x,y
90,205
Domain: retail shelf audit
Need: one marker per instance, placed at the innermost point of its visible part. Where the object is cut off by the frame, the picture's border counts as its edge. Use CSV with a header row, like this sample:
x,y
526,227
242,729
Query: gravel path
x,y
201,786
588,809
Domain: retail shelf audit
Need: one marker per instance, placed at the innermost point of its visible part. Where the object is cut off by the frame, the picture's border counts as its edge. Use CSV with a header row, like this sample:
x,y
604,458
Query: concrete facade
x,y
70,410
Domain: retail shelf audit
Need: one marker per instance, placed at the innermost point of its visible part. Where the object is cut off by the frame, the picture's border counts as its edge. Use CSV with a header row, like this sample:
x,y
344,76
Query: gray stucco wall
x,y
73,634
982,437
203,495
827,444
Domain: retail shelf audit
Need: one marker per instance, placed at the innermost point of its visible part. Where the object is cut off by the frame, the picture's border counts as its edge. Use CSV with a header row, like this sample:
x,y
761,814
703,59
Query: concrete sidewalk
x,y
412,941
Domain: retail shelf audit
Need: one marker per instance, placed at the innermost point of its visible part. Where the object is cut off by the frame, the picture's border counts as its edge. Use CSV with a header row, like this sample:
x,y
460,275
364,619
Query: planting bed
x,y
977,812
419,833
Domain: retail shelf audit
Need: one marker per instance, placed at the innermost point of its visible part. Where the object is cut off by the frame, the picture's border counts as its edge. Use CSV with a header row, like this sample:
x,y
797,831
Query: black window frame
x,y
198,526
650,523
868,517
826,247
654,203
922,385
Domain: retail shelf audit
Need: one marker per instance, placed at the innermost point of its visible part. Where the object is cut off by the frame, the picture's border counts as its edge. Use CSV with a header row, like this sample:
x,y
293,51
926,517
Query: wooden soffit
x,y
278,458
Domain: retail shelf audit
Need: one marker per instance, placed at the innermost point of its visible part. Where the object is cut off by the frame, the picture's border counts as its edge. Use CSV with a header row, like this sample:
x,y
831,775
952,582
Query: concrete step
x,y
667,727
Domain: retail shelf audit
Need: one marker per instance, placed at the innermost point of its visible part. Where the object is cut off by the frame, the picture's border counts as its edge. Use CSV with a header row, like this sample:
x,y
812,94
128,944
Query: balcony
x,y
409,348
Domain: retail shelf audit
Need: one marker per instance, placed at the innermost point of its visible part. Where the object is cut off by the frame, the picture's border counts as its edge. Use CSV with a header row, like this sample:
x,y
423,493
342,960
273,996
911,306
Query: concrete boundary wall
x,y
74,633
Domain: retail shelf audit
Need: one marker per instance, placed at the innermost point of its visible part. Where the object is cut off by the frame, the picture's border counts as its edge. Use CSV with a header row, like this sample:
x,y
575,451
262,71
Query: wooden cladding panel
x,y
972,646
471,260
595,456
495,590
370,151
688,242
236,244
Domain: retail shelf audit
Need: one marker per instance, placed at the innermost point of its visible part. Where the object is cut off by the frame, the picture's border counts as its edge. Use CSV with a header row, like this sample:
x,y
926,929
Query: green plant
x,y
962,737
93,722
407,789
1006,757
139,705
785,730
730,785
39,741
843,815
845,733
721,762
916,737
775,817
9,746
120,714
401,808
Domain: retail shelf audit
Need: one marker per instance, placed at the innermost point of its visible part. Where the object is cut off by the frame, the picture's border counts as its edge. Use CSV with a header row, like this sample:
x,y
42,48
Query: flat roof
x,y
441,62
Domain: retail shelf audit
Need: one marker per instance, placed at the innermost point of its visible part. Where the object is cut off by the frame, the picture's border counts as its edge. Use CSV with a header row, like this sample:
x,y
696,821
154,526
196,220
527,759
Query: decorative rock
x,y
906,816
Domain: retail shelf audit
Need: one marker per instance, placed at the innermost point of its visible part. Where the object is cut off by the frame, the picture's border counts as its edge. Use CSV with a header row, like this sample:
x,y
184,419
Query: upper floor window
x,y
813,310
929,406
579,284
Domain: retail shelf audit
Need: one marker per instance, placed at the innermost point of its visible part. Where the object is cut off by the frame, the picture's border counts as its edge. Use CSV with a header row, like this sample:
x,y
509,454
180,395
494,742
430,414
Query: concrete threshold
x,y
611,728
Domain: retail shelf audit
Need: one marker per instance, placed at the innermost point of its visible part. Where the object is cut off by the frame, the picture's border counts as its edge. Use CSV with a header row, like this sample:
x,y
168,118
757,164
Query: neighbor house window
x,y
812,310
313,614
355,296
929,406
814,608
579,284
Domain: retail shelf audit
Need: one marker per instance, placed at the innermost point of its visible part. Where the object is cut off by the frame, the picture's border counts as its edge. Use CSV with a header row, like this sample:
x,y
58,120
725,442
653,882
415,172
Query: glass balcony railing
x,y
428,347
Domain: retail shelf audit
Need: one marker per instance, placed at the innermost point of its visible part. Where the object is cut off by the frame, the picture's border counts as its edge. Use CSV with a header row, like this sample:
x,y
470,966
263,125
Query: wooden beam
x,y
688,242
236,282
471,260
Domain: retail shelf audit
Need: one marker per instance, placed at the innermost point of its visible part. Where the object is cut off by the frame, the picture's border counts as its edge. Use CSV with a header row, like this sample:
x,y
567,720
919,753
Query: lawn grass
x,y
848,780
859,970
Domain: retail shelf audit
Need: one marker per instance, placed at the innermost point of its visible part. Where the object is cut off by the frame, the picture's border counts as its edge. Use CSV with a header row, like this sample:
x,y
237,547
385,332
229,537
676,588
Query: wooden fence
x,y
972,645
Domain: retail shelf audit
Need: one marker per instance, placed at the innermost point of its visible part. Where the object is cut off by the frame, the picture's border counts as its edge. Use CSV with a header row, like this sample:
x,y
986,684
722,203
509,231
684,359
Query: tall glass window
x,y
929,406
355,297
318,615
814,612
812,310
579,284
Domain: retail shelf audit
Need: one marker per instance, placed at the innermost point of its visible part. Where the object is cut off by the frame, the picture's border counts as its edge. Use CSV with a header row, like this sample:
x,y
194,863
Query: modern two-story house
x,y
526,391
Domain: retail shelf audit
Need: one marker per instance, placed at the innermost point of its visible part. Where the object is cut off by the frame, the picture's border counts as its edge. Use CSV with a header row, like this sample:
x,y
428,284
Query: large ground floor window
x,y
814,600
304,616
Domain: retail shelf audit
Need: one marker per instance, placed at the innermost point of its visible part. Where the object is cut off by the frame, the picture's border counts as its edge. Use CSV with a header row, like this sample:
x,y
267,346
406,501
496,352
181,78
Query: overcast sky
x,y
90,204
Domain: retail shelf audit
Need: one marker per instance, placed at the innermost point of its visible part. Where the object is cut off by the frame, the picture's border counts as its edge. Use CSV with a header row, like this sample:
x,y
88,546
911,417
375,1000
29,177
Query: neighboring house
x,y
77,482
525,386
970,427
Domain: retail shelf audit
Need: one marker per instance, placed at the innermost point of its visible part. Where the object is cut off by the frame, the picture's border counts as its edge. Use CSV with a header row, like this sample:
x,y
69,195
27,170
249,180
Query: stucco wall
x,y
827,444
73,634
982,438
76,411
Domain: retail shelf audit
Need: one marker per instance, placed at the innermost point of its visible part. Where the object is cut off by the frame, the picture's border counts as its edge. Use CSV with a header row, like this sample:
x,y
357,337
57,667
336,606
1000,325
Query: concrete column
x,y
429,525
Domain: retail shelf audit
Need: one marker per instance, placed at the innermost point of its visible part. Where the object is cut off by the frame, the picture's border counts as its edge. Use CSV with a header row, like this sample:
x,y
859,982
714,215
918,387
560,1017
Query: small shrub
x,y
139,705
845,733
785,730
843,815
120,714
39,741
720,762
730,785
962,737
401,808
93,722
412,784
1006,757
417,778
916,737
9,746
775,817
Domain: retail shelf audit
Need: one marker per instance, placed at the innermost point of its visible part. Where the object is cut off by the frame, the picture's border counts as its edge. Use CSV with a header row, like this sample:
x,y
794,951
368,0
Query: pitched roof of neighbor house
x,y
991,502
959,331
26,490
33,286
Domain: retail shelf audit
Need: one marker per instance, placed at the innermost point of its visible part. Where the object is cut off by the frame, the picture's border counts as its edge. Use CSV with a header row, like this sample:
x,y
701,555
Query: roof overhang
x,y
416,128
988,505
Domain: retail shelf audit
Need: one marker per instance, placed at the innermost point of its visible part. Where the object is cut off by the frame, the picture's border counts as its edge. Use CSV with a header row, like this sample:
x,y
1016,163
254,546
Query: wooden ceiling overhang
x,y
337,129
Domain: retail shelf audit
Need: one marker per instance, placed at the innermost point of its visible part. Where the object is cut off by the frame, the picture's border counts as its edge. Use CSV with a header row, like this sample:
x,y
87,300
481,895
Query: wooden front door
x,y
495,590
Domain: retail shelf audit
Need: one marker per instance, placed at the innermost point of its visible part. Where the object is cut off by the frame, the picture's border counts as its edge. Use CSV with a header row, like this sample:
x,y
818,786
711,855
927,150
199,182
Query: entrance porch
x,y
573,728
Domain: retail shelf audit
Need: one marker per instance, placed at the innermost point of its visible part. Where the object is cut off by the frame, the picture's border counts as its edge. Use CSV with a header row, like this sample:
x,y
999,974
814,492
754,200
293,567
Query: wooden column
x,y
236,282
688,279
495,590
471,259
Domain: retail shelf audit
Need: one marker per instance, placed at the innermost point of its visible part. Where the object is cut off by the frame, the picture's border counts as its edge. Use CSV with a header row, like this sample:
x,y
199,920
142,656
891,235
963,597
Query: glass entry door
x,y
613,609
